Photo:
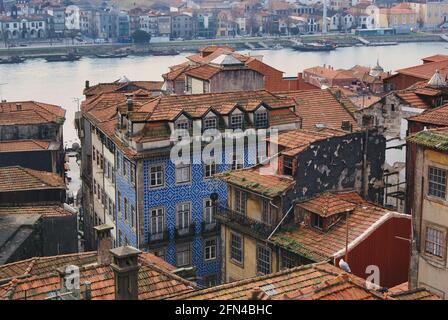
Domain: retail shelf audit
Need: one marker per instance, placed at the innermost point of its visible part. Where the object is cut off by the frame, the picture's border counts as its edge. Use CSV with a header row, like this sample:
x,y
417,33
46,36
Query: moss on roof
x,y
436,139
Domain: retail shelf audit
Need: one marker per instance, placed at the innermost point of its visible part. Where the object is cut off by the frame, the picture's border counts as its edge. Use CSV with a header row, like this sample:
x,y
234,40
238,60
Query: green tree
x,y
141,36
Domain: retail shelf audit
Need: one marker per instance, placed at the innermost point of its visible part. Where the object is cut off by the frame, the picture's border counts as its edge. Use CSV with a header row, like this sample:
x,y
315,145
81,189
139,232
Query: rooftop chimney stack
x,y
104,244
130,104
125,266
87,84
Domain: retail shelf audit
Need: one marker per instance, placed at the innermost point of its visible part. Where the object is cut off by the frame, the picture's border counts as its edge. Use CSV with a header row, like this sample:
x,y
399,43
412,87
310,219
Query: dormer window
x,y
317,221
261,119
236,121
287,166
182,126
210,123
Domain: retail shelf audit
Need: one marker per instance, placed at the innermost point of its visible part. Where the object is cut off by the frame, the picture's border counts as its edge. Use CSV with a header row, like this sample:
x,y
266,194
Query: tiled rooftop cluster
x,y
30,112
433,138
19,178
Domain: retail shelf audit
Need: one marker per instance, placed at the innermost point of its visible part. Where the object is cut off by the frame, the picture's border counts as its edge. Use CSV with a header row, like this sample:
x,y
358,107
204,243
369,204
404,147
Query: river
x,y
62,83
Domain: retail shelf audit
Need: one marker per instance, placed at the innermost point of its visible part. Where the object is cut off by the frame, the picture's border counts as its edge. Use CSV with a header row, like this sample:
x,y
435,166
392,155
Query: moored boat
x,y
315,46
64,57
112,55
11,60
170,52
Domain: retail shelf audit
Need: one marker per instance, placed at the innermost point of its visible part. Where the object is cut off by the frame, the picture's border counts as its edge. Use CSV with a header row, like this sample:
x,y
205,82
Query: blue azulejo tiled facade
x,y
192,248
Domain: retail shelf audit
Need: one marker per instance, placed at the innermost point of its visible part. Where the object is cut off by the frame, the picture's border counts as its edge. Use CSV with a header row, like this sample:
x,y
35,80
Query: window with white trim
x,y
263,259
183,215
317,221
240,201
435,242
210,123
156,176
183,172
183,255
208,211
236,247
210,249
236,121
266,212
157,221
209,169
261,119
237,161
437,182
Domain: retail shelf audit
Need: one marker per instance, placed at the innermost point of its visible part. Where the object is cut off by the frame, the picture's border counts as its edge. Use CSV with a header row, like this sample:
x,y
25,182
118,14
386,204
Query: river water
x,y
62,83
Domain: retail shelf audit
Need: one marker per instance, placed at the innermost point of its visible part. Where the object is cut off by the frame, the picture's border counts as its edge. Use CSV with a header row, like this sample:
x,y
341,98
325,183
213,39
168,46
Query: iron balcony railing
x,y
187,231
158,237
238,220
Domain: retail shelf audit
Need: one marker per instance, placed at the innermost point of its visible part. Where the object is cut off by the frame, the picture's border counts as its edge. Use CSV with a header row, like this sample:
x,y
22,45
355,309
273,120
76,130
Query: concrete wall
x,y
59,235
236,80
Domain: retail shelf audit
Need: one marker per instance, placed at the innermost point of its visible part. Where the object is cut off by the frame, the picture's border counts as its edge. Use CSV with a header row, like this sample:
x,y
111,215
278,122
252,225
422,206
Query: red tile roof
x,y
251,179
155,280
24,145
329,73
436,58
131,86
402,292
426,71
203,72
46,211
30,112
320,107
319,246
314,281
437,116
295,141
327,204
18,178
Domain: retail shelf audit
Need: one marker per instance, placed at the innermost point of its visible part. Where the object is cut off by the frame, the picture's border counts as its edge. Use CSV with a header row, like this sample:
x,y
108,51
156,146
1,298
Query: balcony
x,y
186,232
210,227
243,223
159,237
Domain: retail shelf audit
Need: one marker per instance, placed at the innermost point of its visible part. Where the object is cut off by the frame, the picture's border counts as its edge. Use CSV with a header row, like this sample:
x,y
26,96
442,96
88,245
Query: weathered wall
x,y
237,80
36,160
48,131
33,196
59,235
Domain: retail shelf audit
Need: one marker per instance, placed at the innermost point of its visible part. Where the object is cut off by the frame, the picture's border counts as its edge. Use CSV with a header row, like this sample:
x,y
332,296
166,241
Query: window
x,y
263,259
210,123
435,242
124,169
125,208
118,161
209,169
208,211
210,280
132,174
159,253
236,121
287,166
156,176
210,249
437,182
266,212
240,201
236,248
261,119
183,125
183,173
93,154
132,217
157,221
317,221
183,215
288,260
119,202
237,161
183,255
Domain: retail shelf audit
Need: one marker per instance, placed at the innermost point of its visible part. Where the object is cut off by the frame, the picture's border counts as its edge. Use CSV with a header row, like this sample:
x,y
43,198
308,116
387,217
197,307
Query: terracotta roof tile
x,y
320,107
436,58
426,71
203,72
30,112
46,211
319,246
434,138
437,116
327,204
400,293
18,178
24,145
251,179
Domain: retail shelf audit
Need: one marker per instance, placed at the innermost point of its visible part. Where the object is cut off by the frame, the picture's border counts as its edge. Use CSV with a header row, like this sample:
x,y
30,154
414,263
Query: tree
x,y
141,36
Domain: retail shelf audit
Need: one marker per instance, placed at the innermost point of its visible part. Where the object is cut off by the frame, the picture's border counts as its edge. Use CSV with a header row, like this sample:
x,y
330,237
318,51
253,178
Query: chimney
x,y
87,84
87,291
19,106
346,125
130,104
125,266
104,243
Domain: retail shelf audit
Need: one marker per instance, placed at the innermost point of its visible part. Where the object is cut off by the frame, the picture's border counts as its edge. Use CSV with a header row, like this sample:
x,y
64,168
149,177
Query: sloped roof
x,y
30,112
426,71
320,246
402,292
320,107
226,60
437,116
314,281
434,138
327,204
45,210
19,178
251,179
24,145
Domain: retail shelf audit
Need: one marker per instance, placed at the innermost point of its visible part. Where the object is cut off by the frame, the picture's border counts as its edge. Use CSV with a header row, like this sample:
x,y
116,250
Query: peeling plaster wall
x,y
338,164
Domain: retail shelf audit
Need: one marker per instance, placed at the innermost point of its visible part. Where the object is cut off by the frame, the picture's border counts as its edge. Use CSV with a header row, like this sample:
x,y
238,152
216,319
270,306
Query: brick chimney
x,y
104,244
125,266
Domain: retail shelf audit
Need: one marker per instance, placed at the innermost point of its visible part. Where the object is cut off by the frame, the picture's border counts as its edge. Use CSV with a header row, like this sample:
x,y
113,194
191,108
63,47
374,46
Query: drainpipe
x,y
364,168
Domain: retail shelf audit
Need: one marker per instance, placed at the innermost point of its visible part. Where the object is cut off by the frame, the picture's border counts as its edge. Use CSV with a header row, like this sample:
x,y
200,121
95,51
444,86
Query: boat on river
x,y
315,46
12,59
63,57
112,55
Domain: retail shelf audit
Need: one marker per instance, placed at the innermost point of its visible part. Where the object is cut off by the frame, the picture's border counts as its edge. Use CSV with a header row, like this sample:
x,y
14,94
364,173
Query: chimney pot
x,y
125,266
87,84
130,104
104,243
